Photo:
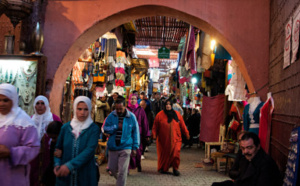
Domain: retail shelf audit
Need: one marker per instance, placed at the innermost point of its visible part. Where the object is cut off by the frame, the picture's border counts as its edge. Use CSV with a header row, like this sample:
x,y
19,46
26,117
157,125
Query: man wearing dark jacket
x,y
256,168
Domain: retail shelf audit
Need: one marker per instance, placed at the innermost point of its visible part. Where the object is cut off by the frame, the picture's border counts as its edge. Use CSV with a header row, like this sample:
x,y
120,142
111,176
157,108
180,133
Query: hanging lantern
x,y
37,38
17,10
3,6
212,57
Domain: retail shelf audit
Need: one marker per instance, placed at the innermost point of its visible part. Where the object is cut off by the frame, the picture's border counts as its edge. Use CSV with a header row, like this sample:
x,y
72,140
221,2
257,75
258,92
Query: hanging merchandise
x,y
184,75
111,48
156,87
291,177
100,91
155,77
236,88
211,118
103,44
110,74
181,44
251,115
86,56
81,90
265,123
166,88
119,90
221,53
99,74
121,57
127,75
120,74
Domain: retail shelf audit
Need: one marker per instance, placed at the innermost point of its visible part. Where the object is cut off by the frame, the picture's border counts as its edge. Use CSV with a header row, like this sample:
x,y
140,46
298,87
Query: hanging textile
x,y
265,123
221,53
111,48
212,116
236,88
291,177
127,75
155,75
103,44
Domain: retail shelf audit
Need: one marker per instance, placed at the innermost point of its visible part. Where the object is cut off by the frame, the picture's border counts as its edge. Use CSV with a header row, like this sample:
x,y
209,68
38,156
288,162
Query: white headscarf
x,y
77,125
16,116
42,121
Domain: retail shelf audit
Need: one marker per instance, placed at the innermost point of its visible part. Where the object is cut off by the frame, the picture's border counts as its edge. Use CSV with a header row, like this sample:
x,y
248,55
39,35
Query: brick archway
x,y
69,29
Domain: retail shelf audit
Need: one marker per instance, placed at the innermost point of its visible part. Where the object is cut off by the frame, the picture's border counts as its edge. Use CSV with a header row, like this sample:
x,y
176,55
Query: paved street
x,y
149,176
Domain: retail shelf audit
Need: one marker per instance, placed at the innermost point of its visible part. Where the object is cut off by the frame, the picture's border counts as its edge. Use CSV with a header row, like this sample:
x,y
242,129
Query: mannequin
x,y
251,114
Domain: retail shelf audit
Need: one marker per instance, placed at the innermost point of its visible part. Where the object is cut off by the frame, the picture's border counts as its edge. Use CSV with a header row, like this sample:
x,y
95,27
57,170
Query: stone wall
x,y
283,83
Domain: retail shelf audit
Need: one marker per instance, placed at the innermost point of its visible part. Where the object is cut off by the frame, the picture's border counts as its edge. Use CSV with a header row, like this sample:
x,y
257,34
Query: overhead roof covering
x,y
155,31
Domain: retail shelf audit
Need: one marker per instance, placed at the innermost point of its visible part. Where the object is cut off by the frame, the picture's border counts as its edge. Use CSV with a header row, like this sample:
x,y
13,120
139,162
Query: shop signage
x,y
163,53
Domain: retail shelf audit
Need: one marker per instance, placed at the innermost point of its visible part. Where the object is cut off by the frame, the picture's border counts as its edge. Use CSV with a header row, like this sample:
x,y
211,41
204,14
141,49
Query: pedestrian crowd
x,y
40,150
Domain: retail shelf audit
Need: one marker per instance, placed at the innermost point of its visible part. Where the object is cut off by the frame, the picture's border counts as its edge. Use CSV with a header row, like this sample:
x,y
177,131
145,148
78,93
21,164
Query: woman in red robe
x,y
167,128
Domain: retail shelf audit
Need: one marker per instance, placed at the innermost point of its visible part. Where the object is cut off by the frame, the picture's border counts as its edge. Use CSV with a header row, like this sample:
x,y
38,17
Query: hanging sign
x,y
295,34
153,62
163,53
287,44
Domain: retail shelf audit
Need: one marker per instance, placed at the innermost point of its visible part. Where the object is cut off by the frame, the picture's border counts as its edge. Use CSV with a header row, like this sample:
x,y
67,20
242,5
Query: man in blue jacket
x,y
123,130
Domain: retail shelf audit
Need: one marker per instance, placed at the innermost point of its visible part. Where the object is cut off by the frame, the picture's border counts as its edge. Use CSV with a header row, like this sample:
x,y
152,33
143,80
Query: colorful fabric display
x,y
101,78
119,70
118,89
127,75
103,44
120,83
120,76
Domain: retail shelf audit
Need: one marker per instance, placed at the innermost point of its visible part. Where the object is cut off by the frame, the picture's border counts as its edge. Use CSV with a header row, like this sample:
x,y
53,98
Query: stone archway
x,y
69,29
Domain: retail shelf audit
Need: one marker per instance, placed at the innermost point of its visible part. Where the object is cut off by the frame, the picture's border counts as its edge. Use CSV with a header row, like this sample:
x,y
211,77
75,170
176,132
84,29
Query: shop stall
x,y
28,74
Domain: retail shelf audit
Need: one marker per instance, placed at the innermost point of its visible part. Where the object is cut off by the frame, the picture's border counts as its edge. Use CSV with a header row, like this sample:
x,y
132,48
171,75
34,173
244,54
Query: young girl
x,y
53,131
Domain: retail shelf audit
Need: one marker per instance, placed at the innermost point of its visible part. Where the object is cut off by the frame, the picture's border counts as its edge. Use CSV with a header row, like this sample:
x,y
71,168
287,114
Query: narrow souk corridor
x,y
149,175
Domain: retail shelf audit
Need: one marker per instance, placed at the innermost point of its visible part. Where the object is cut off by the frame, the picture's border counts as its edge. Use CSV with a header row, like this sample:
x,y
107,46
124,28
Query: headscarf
x,y
171,114
16,116
79,126
42,121
132,107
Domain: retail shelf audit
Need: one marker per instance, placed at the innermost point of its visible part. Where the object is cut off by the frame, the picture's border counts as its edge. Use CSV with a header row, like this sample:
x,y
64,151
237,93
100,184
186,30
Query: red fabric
x,y
119,70
265,112
235,125
207,73
119,83
234,109
184,79
168,140
212,117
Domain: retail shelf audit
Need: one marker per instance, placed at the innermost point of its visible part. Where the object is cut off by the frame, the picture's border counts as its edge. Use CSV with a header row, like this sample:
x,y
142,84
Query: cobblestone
x,y
189,175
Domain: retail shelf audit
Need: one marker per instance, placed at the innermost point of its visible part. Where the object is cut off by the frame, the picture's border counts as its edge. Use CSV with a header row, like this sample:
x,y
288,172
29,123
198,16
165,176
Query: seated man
x,y
255,166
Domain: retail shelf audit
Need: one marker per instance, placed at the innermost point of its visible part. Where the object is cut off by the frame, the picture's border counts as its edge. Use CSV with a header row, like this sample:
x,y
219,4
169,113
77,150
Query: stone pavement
x,y
149,175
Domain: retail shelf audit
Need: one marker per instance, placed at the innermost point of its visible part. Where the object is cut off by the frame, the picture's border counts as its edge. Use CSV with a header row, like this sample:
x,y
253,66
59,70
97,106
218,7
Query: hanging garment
x,y
103,44
251,118
127,75
236,88
118,89
264,126
120,83
119,70
212,117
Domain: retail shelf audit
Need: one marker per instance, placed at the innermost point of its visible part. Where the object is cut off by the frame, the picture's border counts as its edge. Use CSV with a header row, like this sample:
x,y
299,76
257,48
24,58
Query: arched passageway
x,y
240,26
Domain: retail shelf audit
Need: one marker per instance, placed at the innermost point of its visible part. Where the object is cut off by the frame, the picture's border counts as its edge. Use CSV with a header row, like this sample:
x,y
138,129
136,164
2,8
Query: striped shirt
x,y
119,130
